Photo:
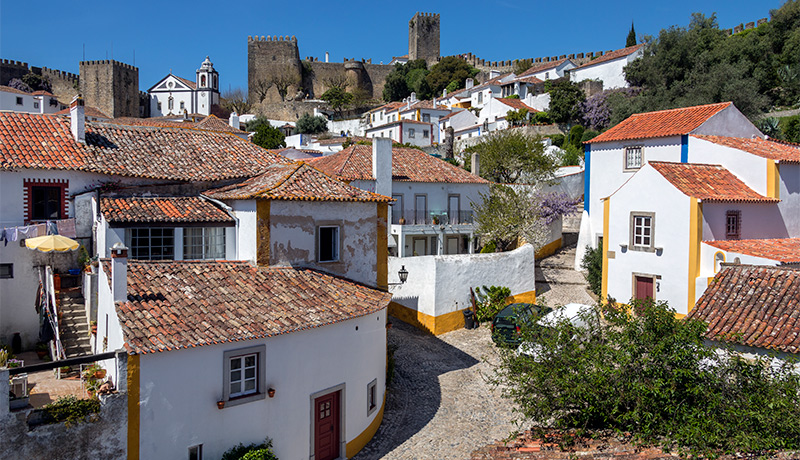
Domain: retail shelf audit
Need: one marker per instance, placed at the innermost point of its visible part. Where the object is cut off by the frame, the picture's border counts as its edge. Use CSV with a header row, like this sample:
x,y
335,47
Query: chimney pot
x,y
77,119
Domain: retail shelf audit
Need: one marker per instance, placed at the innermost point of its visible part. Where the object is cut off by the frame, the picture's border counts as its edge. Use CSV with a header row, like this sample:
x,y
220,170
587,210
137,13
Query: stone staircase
x,y
74,326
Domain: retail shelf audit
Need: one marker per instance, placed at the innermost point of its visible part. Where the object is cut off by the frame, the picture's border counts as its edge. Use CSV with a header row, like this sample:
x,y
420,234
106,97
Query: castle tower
x,y
111,86
272,59
423,38
207,93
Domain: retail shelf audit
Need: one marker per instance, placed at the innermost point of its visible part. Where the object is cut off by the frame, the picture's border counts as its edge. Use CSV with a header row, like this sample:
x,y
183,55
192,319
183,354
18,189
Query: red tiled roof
x,y
88,111
708,182
297,181
426,104
663,123
45,142
613,55
529,79
542,67
162,209
160,122
212,123
355,163
753,305
757,146
8,89
516,104
389,106
341,140
187,82
784,250
177,305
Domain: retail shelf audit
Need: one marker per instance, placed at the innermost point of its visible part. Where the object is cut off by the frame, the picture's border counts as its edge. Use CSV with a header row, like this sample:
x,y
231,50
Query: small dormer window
x,y
202,80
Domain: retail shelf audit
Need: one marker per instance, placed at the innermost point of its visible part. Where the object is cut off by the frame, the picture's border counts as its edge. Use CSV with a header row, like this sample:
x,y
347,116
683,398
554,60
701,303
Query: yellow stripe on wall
x,y
773,185
133,407
353,447
695,237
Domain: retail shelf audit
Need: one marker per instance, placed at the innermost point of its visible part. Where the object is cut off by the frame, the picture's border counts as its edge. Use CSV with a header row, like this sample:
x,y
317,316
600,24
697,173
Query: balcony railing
x,y
413,217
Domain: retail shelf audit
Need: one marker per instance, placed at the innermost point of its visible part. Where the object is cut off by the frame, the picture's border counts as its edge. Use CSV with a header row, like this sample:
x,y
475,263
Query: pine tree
x,y
631,37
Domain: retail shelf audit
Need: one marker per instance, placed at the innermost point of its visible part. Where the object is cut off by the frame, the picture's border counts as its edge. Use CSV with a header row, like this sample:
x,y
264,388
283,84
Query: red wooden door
x,y
326,427
644,287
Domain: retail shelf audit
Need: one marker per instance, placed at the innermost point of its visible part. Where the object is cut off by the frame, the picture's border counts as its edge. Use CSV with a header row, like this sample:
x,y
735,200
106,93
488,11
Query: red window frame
x,y
28,184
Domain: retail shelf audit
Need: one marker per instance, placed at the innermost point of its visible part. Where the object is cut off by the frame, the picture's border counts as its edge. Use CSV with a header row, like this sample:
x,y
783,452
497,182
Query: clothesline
x,y
64,227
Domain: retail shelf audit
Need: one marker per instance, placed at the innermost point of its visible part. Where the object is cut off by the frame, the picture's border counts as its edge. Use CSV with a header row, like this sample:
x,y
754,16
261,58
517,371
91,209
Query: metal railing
x,y
414,217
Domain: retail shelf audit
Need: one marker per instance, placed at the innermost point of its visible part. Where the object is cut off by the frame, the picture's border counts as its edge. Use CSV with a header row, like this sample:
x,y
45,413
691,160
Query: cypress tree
x,y
631,37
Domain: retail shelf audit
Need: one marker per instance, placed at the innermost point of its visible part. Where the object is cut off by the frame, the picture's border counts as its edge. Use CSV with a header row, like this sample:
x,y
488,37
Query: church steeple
x,y
207,77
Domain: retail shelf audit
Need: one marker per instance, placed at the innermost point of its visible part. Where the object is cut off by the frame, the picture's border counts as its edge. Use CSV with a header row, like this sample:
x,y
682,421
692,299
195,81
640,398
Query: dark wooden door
x,y
644,287
326,427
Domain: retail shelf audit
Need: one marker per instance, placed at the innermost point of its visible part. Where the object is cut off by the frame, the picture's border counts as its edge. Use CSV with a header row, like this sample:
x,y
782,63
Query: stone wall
x,y
270,57
111,86
64,84
423,37
288,110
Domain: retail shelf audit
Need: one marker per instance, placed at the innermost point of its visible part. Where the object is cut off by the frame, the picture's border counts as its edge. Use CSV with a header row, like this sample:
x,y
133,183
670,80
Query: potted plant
x,y
402,221
435,220
42,349
83,258
94,372
93,325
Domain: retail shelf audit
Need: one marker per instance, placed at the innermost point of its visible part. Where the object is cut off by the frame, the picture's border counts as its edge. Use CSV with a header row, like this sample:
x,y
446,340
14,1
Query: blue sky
x,y
177,35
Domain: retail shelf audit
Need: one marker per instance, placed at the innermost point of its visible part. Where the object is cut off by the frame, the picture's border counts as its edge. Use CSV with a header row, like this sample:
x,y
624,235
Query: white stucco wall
x,y
751,169
293,236
179,391
353,126
728,122
108,326
648,191
709,268
448,289
789,188
30,103
758,221
245,212
609,72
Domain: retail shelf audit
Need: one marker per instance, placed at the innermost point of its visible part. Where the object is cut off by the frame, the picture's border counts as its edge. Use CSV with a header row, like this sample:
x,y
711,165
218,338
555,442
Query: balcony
x,y
412,217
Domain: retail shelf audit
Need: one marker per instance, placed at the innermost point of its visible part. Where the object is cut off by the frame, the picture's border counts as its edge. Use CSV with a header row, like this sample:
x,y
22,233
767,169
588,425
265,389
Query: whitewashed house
x,y
15,100
462,121
424,111
608,68
418,133
173,95
550,70
493,114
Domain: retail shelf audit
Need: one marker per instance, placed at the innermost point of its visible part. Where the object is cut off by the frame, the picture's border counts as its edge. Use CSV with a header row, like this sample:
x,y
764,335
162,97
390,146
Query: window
x,y
480,97
411,133
547,75
373,118
244,375
6,271
425,133
633,157
215,81
328,243
151,243
159,106
19,101
642,230
171,103
46,202
372,396
733,224
426,117
202,81
35,105
397,208
196,452
183,105
204,243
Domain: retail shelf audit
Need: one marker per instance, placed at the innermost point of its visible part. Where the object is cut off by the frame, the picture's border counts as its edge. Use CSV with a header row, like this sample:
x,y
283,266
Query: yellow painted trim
x,y
383,247
524,297
133,407
262,231
548,249
606,208
436,325
680,315
358,443
695,237
773,184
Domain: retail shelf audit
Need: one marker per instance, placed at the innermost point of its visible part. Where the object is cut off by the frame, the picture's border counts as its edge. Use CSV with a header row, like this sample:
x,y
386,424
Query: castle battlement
x,y
107,62
14,63
60,74
273,38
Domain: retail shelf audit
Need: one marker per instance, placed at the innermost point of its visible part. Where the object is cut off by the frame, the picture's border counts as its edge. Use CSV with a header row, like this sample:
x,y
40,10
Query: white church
x,y
174,95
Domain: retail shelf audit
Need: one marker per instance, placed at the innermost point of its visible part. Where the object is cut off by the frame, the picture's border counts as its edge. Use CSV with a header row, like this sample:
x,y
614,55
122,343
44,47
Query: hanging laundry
x,y
66,227
41,230
4,237
52,227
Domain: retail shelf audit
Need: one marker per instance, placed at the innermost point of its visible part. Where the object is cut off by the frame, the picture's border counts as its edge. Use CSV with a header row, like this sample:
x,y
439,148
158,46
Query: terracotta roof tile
x,y
708,182
162,209
663,123
8,89
752,305
187,82
45,142
355,163
529,79
296,181
616,54
784,250
757,146
176,305
212,123
516,104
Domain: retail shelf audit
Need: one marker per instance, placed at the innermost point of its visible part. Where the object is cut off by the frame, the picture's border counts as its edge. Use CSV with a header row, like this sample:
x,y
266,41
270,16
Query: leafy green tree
x,y
517,117
308,124
269,137
37,82
396,87
337,98
504,216
416,82
449,69
631,40
645,372
592,262
565,100
511,156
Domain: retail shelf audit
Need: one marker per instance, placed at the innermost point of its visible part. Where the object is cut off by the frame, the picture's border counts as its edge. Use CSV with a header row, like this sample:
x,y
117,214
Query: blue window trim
x,y
587,162
685,148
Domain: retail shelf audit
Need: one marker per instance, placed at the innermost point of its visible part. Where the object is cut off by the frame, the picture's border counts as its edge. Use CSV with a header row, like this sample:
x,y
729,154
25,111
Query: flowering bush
x,y
596,110
554,205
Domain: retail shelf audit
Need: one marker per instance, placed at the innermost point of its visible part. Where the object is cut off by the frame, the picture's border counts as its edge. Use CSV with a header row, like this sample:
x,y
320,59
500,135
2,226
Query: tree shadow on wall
x,y
414,396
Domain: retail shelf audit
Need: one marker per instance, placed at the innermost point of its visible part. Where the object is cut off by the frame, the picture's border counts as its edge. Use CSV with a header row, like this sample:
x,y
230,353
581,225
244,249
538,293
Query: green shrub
x,y
251,452
574,136
572,155
557,140
542,118
593,263
70,409
790,127
490,301
588,135
489,248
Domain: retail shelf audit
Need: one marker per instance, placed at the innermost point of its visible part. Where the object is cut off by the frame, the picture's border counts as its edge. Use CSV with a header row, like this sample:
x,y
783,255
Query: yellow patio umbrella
x,y
51,243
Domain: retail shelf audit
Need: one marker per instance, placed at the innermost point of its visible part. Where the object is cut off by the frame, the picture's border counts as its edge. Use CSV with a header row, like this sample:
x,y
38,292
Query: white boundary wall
x,y
438,285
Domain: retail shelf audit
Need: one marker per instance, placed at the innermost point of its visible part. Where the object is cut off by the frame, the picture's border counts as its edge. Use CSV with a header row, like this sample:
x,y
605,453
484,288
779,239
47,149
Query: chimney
x,y
494,74
476,164
470,83
119,272
413,97
233,120
77,119
382,165
326,56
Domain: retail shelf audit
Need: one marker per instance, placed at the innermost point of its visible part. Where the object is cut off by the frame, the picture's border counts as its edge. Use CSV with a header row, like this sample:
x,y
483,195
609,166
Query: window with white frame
x,y
196,452
411,133
733,224
642,231
151,243
328,243
244,375
204,243
372,396
426,117
480,97
633,157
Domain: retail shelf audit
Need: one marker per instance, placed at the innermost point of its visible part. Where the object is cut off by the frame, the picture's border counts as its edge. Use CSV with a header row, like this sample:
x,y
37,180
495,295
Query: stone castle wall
x,y
111,86
423,37
64,83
